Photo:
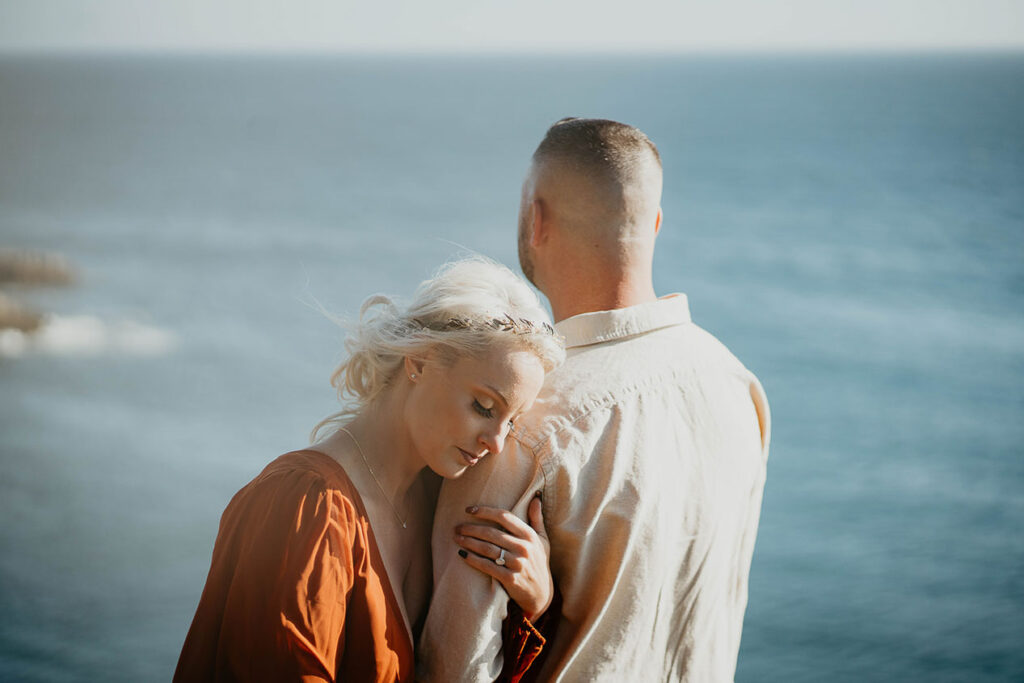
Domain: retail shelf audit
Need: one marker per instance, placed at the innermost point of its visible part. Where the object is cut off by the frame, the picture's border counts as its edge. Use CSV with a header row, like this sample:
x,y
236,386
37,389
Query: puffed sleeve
x,y
274,604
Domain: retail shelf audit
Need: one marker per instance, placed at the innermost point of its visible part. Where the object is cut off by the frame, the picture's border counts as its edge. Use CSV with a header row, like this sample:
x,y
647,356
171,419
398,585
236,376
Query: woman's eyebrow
x,y
498,394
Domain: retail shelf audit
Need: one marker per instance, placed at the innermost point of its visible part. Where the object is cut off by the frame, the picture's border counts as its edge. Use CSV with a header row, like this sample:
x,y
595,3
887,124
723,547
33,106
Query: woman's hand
x,y
515,554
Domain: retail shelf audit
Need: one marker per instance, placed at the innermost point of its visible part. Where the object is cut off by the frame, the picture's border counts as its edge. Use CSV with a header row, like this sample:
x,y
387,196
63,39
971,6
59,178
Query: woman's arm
x,y
273,606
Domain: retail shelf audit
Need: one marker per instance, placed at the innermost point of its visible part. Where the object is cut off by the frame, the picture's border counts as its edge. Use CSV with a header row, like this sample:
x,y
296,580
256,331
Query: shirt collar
x,y
601,326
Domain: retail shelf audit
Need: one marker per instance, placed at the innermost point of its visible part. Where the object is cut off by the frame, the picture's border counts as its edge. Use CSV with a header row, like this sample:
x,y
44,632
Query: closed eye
x,y
485,412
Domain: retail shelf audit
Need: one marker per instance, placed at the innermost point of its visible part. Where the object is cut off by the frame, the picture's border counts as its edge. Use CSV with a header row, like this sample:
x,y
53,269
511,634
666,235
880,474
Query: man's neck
x,y
575,300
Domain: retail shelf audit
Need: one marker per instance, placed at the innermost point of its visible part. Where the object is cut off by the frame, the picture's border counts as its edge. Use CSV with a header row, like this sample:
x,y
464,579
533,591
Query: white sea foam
x,y
87,335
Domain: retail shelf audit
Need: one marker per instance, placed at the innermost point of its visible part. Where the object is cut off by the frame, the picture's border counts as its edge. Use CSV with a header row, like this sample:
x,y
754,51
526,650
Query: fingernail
x,y
472,509
537,494
463,554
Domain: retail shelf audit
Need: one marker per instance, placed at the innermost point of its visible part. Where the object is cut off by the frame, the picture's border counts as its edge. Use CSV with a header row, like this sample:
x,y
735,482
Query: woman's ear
x,y
414,367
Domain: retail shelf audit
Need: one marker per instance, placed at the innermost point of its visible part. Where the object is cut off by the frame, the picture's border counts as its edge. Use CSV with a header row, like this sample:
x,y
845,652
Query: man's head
x,y
592,196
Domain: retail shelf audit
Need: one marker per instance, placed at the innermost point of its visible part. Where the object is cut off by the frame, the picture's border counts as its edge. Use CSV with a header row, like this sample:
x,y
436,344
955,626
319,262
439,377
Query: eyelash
x,y
487,412
478,407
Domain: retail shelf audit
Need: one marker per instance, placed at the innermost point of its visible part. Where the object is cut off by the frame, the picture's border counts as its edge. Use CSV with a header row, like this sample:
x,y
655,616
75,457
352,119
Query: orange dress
x,y
297,589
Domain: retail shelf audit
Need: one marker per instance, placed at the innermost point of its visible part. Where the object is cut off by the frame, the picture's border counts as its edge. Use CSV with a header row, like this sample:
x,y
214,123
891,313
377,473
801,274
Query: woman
x,y
321,570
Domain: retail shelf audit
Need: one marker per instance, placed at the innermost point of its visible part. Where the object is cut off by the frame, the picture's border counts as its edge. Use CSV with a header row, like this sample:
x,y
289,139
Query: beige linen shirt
x,y
649,445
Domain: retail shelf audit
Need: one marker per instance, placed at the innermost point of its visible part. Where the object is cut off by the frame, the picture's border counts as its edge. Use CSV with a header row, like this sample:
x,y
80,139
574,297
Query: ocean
x,y
852,227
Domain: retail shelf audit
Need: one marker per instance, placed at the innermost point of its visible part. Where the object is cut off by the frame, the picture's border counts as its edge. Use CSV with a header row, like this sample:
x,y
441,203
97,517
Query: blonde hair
x,y
468,307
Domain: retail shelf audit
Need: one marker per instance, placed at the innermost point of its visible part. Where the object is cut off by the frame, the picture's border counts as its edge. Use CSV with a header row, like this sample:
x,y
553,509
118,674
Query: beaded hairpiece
x,y
506,323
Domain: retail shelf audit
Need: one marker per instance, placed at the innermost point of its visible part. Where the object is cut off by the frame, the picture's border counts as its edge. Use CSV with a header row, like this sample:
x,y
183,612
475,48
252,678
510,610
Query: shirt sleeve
x,y
462,636
274,606
764,417
523,641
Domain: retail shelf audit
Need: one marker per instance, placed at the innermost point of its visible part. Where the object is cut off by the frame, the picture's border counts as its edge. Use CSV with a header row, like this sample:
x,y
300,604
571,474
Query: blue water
x,y
852,227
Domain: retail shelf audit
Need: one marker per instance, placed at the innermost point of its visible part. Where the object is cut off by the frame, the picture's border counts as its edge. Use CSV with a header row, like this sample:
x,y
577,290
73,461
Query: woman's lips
x,y
469,457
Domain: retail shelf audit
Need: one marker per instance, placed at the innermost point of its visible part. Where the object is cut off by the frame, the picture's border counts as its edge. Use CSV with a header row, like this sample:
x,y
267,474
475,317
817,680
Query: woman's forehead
x,y
507,372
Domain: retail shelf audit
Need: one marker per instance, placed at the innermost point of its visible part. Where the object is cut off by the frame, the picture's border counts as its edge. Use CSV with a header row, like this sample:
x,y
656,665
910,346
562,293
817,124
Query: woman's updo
x,y
468,307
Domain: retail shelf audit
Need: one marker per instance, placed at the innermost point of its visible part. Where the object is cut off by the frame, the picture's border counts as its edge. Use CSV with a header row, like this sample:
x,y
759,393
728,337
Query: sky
x,y
508,25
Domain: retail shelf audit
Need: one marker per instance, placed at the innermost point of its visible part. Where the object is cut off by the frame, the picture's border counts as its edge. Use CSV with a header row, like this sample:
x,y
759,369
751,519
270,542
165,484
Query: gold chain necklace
x,y
375,479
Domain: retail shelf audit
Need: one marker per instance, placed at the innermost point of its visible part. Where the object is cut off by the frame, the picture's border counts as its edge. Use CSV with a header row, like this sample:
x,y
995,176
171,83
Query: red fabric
x,y
523,642
297,590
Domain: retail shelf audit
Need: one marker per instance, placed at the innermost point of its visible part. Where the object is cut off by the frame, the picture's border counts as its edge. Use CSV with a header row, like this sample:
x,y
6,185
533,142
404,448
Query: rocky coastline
x,y
21,268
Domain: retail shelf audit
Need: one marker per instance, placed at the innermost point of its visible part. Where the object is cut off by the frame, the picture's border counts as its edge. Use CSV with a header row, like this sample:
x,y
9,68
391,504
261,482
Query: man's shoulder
x,y
601,377
604,371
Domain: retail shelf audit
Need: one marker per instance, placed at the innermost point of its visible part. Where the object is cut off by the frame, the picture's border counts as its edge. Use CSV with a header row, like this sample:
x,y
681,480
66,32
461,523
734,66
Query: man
x,y
648,447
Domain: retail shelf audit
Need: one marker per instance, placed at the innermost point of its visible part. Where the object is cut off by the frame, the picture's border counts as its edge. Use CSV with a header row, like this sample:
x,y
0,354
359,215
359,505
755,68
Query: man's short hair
x,y
608,150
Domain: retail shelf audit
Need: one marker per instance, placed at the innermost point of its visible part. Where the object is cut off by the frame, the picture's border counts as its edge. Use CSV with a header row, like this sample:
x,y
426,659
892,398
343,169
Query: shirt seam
x,y
585,409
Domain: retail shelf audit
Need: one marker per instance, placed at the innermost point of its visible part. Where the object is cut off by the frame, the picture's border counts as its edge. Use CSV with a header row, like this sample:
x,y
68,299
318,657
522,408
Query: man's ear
x,y
539,228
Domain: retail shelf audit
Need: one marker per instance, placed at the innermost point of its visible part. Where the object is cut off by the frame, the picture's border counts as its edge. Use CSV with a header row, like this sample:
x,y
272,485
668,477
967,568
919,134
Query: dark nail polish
x,y
463,554
537,494
472,509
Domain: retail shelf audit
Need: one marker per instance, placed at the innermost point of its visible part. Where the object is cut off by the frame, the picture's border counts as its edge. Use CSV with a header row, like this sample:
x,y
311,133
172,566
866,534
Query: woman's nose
x,y
494,440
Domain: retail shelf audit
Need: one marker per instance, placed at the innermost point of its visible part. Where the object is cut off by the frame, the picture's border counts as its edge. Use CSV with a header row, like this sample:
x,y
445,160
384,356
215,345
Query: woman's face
x,y
458,413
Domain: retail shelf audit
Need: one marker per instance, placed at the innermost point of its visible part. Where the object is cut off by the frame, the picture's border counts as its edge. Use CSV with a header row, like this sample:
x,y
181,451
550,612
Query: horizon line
x,y
723,51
